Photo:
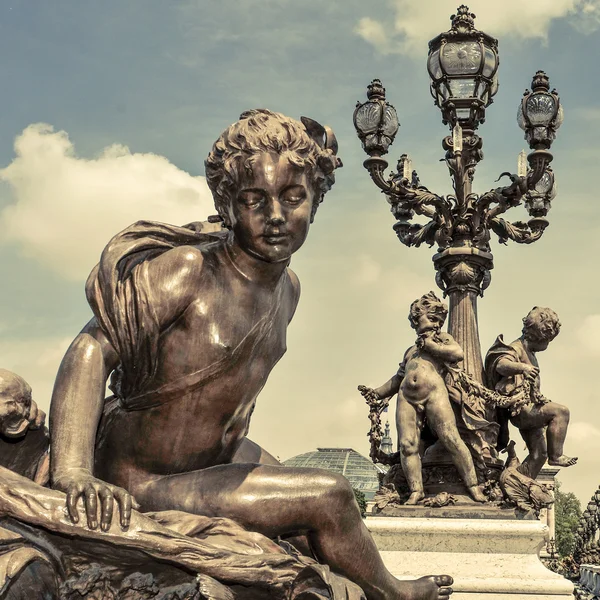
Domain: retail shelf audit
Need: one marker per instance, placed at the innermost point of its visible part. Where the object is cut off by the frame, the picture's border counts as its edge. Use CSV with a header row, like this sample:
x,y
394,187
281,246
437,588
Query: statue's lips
x,y
275,238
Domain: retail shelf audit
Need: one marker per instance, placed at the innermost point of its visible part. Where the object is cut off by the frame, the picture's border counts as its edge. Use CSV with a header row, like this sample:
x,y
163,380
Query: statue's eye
x,y
294,195
250,197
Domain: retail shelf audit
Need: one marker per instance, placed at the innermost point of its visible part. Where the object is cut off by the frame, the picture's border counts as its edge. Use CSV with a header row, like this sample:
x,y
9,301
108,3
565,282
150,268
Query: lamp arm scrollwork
x,y
408,200
503,198
416,234
519,232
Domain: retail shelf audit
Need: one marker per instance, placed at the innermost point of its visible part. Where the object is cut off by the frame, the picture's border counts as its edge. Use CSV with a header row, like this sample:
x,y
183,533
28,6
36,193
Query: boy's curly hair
x,y
541,324
260,131
428,303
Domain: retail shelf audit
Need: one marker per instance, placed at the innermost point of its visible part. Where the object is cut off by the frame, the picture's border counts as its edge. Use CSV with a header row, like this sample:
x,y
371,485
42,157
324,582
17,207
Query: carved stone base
x,y
489,559
440,474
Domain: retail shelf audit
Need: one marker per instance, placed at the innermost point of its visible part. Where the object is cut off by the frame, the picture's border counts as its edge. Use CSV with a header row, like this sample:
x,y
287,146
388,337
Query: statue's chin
x,y
15,431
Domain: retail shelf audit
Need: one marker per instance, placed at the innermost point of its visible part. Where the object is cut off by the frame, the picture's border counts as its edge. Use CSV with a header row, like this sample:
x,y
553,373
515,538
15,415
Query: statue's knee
x,y
337,490
409,447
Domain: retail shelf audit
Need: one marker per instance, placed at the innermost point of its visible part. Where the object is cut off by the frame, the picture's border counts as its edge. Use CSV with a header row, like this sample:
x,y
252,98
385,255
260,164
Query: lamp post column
x,y
462,273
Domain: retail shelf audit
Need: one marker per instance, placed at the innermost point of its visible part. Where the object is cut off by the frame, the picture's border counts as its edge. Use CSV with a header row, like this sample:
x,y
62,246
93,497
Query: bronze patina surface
x,y
188,323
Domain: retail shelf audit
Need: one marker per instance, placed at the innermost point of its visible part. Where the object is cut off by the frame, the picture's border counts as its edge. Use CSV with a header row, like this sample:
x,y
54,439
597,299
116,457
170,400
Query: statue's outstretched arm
x,y
75,412
390,387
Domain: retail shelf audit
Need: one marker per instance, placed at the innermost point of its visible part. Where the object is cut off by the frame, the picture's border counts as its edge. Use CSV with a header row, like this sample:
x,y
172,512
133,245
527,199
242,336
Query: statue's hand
x,y
79,483
531,372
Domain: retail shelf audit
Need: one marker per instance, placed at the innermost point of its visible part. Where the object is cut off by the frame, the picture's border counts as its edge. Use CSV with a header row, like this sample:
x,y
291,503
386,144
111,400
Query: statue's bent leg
x,y
277,500
408,423
251,452
556,433
535,439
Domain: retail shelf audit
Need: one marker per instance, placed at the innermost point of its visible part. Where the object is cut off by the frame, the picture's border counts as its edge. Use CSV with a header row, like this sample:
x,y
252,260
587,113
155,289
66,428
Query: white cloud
x,y
588,334
415,23
587,19
65,208
374,32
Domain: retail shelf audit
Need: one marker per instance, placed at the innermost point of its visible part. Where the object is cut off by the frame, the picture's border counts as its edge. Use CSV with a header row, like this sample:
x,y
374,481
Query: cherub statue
x,y
513,371
190,325
422,393
23,437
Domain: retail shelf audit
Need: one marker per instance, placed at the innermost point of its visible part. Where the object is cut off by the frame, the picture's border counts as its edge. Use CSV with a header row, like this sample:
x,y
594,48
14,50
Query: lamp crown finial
x,y
375,90
463,19
540,82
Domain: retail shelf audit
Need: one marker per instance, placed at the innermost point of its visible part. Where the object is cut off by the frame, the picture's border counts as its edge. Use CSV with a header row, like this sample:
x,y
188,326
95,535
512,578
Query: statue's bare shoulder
x,y
175,280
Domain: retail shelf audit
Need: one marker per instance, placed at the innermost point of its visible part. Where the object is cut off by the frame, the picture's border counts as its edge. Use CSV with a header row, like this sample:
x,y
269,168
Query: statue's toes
x,y
444,580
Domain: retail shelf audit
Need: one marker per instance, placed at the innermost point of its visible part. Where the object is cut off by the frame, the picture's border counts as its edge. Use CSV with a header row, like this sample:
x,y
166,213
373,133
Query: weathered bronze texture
x,y
422,395
461,224
513,371
430,383
188,323
463,65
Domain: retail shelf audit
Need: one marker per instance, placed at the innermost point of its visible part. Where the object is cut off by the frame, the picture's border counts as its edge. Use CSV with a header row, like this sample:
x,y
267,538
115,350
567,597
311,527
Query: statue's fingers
x,y
73,494
125,502
91,505
107,503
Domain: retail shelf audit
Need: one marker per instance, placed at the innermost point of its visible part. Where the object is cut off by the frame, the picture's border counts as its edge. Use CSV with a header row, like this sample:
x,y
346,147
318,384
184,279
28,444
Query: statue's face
x,y
271,213
14,410
429,321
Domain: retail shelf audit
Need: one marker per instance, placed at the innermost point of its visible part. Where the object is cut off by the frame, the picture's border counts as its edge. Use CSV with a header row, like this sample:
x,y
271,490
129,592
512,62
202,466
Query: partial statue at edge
x,y
190,323
513,393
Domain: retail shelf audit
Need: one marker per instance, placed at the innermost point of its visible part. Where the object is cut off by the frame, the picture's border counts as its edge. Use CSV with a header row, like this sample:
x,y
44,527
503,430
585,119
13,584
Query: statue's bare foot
x,y
415,498
477,494
433,587
562,461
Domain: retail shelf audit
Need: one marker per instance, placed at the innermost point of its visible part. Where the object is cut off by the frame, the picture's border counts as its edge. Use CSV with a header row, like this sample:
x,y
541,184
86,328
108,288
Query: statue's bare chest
x,y
224,328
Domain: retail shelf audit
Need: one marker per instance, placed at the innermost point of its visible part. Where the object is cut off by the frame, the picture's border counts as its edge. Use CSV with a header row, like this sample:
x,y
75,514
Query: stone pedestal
x,y
547,477
490,559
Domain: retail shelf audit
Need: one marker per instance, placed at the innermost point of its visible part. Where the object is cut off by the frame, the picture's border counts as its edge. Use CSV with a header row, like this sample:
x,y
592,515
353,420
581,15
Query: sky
x,y
109,110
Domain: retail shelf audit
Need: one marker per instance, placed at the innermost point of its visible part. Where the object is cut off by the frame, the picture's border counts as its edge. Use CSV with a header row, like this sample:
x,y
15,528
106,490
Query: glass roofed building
x,y
360,471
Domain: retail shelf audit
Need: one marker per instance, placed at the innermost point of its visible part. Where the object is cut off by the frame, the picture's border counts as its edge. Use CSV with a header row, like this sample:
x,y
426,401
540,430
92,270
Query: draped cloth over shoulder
x,y
516,391
121,297
505,385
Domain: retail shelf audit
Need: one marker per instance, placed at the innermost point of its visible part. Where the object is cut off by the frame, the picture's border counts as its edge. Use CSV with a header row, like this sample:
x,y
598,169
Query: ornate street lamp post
x,y
463,67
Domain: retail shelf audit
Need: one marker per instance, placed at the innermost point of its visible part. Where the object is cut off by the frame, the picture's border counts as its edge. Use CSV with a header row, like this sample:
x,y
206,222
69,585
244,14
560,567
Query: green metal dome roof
x,y
359,470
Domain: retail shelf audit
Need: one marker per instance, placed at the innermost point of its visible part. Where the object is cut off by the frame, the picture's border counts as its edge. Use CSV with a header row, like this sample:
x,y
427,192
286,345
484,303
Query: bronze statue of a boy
x,y
513,371
191,325
422,393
